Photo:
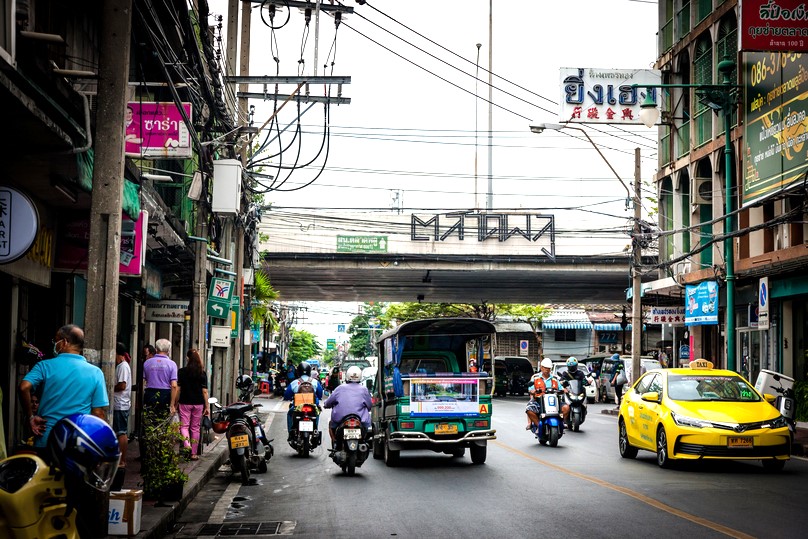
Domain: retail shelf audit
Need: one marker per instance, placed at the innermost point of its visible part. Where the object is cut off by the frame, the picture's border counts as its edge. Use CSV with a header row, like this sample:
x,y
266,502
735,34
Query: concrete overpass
x,y
501,259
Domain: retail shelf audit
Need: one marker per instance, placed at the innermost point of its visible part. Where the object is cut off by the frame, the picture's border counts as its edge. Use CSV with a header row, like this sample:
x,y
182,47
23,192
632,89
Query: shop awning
x,y
566,324
611,327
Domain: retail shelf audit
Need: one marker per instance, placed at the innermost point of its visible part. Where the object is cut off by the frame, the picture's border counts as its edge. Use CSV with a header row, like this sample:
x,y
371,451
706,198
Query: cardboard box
x,y
125,508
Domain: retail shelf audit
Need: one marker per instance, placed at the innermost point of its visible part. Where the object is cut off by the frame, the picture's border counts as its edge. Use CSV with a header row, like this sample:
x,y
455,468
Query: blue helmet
x,y
572,364
85,447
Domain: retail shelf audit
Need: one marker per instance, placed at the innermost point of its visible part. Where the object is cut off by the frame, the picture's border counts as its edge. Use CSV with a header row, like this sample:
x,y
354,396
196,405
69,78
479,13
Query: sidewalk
x,y
157,521
799,446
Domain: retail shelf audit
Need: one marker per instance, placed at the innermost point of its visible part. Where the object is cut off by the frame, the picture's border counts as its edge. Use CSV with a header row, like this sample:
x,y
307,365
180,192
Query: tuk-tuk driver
x,y
541,382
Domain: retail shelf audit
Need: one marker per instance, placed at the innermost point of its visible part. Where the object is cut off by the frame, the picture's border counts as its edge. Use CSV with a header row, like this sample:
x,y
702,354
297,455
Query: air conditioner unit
x,y
701,190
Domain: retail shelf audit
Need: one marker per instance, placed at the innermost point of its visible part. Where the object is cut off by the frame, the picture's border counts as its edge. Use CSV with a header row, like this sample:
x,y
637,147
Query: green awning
x,y
130,202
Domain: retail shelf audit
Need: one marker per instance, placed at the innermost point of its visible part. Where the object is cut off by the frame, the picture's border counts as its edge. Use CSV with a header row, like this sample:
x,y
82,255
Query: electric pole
x,y
636,277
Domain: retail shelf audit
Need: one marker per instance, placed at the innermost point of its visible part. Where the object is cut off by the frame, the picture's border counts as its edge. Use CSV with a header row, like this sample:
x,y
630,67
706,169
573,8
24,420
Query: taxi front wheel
x,y
627,451
662,458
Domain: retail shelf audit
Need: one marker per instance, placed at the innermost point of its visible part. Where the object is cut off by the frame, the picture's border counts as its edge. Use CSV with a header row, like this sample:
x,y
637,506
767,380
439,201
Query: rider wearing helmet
x,y
574,373
541,383
303,384
351,397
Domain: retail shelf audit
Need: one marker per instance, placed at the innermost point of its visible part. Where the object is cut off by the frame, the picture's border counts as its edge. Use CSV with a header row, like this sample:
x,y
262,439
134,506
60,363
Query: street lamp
x,y
636,258
719,97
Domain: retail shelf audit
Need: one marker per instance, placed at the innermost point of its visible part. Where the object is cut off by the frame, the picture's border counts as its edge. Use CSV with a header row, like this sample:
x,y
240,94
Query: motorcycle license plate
x,y
239,441
352,434
445,428
740,441
306,426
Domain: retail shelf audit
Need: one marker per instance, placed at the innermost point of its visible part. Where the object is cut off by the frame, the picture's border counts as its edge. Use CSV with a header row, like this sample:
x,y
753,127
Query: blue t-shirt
x,y
71,386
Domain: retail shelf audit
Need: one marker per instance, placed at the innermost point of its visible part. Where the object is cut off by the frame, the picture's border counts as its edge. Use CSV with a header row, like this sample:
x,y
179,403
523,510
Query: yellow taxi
x,y
701,413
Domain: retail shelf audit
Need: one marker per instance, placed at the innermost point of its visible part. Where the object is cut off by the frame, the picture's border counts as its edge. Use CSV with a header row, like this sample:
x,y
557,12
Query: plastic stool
x,y
264,387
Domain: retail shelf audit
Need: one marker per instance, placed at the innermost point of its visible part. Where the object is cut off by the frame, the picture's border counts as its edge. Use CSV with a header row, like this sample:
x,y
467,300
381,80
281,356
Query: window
x,y
564,335
7,30
703,74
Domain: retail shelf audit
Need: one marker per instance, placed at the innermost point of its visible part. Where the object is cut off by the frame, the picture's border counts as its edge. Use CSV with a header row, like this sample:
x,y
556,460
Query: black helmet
x,y
244,381
304,368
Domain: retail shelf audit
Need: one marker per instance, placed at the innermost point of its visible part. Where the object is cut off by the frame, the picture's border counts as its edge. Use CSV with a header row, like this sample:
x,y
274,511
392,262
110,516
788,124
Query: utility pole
x,y
489,204
636,278
104,253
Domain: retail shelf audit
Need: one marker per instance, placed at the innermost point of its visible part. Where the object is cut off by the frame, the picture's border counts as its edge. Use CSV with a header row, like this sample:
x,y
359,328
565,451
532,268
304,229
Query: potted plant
x,y
163,478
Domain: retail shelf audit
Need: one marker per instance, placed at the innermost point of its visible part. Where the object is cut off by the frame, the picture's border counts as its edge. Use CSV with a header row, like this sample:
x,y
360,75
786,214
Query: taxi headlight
x,y
684,421
778,423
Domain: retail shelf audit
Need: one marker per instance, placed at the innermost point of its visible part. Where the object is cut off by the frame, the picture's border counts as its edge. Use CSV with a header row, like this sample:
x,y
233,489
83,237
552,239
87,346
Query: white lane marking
x,y
221,507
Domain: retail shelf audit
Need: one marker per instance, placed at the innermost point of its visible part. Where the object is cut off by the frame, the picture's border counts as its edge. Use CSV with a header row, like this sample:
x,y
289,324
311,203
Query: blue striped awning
x,y
612,327
566,324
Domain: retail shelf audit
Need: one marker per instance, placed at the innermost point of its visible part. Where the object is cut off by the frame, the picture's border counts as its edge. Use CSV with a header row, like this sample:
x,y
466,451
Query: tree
x,y
303,345
361,343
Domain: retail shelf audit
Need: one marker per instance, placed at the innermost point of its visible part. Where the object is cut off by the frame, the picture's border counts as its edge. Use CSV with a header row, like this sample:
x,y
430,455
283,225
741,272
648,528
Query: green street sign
x,y
361,244
221,291
331,344
217,310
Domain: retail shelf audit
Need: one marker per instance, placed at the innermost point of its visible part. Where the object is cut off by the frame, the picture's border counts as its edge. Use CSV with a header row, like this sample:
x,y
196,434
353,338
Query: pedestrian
x,y
160,377
333,380
66,384
122,400
192,400
618,378
148,352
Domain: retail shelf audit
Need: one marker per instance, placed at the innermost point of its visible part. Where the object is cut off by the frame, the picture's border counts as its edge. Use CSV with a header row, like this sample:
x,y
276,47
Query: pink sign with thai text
x,y
157,130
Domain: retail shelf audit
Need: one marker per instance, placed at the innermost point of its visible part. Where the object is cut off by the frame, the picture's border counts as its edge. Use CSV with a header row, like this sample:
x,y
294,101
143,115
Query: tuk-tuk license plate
x,y
445,428
352,434
740,441
239,441
306,426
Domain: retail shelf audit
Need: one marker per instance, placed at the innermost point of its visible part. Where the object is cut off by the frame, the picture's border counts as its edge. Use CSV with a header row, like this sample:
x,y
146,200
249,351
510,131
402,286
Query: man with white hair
x,y
160,378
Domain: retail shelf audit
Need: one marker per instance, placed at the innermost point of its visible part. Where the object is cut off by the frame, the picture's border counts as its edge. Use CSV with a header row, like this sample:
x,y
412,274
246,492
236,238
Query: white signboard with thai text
x,y
605,96
166,311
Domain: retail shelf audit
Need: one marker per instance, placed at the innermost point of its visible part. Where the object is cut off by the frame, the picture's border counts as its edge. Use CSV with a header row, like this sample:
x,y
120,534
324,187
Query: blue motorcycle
x,y
551,425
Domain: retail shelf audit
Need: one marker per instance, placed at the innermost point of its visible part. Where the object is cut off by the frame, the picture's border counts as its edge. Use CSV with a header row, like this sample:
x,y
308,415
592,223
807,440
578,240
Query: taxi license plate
x,y
740,441
306,426
445,428
239,441
352,434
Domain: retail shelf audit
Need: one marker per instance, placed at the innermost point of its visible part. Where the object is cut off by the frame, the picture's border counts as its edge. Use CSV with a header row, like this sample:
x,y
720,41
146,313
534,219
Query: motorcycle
x,y
551,427
518,383
785,403
350,444
61,497
249,447
576,399
304,437
246,388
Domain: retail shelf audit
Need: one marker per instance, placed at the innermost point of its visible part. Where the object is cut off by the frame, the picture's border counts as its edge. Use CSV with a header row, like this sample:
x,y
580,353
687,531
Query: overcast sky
x,y
412,130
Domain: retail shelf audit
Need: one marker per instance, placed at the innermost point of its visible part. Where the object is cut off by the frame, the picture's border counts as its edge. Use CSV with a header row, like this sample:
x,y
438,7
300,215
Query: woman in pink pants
x,y
193,400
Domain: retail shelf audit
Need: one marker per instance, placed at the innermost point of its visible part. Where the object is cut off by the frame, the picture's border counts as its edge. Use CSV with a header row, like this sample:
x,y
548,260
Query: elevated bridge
x,y
461,257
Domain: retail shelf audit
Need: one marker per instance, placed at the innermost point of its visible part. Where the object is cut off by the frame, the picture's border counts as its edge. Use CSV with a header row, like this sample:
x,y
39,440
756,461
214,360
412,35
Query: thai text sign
x,y
774,25
605,96
361,244
701,304
157,130
19,223
674,316
444,397
776,123
166,311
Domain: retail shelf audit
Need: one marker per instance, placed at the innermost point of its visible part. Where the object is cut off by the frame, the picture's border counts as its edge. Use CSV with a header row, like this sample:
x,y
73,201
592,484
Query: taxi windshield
x,y
704,387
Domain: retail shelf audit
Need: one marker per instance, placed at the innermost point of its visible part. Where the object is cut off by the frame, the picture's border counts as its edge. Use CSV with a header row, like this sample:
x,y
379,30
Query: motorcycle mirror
x,y
213,400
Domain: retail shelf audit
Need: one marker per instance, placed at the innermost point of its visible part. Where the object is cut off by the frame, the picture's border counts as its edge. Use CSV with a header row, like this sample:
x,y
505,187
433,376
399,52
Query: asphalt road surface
x,y
582,488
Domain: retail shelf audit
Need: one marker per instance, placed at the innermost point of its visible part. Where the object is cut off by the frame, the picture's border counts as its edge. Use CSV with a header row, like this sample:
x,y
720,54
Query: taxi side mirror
x,y
769,397
651,396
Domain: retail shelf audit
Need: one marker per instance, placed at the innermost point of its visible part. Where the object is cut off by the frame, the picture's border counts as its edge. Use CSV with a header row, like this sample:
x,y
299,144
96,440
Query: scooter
x,y
304,437
551,427
249,447
576,398
785,403
350,444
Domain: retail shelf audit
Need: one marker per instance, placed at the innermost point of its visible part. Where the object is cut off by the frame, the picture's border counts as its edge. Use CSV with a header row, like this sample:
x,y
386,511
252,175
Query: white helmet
x,y
547,363
354,374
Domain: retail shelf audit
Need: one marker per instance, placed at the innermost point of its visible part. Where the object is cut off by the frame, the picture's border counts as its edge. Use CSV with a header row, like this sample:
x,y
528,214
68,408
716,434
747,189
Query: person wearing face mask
x,y
67,384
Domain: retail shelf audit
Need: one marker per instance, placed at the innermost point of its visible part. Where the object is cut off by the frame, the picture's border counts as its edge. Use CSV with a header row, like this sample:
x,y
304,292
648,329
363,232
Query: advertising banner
x,y
674,316
157,130
701,304
444,397
773,25
776,123
605,96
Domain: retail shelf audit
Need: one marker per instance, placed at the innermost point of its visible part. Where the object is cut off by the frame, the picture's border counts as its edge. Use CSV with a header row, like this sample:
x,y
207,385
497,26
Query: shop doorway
x,y
753,353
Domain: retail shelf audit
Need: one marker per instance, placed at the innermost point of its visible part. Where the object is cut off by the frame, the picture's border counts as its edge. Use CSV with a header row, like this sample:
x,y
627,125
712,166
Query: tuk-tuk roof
x,y
442,326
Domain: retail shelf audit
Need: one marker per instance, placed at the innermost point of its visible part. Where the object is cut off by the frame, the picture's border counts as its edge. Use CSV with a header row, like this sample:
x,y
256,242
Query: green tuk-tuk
x,y
428,393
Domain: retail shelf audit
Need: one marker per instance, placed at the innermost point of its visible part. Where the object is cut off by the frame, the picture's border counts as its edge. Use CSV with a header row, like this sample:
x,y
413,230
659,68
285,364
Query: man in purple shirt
x,y
349,398
160,377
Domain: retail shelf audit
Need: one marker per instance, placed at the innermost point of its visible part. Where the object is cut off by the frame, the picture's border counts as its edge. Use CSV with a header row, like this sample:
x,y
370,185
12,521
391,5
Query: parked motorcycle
x,y
246,388
576,399
551,426
785,402
62,497
304,437
350,444
249,447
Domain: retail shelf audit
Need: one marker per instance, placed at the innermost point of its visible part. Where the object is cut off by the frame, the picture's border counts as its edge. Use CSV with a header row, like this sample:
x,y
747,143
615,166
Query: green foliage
x,y
360,343
263,294
159,451
303,346
801,395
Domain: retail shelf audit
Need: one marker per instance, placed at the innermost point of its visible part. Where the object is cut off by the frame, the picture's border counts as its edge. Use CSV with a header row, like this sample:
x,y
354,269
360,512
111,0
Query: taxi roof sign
x,y
701,364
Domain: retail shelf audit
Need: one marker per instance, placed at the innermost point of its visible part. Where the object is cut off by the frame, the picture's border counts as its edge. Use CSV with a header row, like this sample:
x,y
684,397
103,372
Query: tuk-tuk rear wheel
x,y
378,450
391,456
478,453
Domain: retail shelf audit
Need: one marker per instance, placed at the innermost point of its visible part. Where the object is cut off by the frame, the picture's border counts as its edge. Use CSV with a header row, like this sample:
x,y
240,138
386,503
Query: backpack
x,y
305,392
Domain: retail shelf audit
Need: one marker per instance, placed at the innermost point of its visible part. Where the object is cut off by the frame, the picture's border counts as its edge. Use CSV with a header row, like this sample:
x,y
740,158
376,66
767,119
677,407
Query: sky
x,y
417,128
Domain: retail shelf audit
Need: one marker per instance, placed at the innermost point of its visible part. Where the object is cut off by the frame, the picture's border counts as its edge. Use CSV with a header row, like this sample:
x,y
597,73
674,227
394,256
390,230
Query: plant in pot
x,y
163,478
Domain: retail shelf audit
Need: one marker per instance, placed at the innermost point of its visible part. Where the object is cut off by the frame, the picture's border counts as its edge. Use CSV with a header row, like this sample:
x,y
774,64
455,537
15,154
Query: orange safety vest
x,y
539,385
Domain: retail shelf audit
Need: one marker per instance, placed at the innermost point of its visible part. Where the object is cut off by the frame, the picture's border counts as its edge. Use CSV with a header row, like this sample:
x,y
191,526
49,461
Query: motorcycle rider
x,y
572,372
349,398
303,379
541,382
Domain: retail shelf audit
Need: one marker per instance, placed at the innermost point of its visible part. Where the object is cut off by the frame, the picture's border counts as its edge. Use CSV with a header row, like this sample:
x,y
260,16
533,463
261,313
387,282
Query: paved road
x,y
521,491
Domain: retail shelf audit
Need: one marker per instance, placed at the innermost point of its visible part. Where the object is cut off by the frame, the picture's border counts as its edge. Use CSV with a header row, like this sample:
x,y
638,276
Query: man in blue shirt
x,y
69,385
